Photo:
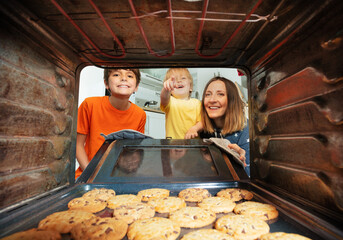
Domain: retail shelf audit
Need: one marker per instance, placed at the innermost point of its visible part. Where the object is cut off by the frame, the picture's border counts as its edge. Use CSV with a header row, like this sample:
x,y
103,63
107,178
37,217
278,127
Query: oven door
x,y
162,160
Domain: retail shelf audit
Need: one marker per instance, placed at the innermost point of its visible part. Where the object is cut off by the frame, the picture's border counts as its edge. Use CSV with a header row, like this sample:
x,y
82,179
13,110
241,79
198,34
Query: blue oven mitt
x,y
125,134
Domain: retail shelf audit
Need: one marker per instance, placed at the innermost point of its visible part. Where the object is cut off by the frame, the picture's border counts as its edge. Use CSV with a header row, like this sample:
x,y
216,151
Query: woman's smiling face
x,y
215,101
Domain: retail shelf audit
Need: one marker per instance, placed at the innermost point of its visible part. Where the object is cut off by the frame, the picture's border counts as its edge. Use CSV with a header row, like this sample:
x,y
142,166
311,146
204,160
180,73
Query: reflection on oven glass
x,y
129,161
167,162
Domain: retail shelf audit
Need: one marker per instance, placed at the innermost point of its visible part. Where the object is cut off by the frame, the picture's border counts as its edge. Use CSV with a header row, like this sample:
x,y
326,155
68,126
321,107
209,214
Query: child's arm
x,y
168,86
81,154
193,131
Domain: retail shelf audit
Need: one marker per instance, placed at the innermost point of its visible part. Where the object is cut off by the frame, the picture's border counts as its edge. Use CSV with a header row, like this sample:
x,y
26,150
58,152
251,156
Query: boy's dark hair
x,y
107,72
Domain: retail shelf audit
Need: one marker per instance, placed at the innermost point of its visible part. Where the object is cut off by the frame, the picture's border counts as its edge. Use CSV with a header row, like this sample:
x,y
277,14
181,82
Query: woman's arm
x,y
243,143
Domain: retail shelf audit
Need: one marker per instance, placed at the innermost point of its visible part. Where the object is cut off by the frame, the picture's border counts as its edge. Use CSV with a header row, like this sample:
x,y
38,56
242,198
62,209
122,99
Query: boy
x,y
107,114
182,112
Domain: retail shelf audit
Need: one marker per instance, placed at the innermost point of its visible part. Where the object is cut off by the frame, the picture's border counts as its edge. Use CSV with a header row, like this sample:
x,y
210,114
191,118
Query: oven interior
x,y
290,51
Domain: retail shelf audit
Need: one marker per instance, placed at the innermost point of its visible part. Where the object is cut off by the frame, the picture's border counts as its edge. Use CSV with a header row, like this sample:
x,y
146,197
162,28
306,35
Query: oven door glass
x,y
163,160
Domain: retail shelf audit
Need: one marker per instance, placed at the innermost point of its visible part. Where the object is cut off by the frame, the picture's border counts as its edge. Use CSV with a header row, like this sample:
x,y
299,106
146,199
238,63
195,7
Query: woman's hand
x,y
240,151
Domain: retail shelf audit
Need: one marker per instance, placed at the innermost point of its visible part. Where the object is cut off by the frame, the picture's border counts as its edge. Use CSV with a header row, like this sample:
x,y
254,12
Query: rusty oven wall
x,y
37,105
297,114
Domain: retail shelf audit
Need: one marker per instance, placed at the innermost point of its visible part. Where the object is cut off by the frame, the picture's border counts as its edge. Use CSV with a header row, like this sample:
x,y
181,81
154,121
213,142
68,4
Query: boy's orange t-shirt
x,y
96,115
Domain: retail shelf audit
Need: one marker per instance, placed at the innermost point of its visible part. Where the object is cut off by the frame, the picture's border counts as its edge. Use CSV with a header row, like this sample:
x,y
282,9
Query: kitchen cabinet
x,y
155,124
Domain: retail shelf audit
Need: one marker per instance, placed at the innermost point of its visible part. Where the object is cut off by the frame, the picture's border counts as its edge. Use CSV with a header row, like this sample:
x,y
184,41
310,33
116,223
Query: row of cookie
x,y
128,208
98,199
82,224
194,218
224,202
189,194
249,225
245,229
140,216
212,234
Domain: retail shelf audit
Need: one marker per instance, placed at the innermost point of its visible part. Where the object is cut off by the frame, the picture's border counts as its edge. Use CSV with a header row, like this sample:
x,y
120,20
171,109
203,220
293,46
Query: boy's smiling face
x,y
122,83
182,86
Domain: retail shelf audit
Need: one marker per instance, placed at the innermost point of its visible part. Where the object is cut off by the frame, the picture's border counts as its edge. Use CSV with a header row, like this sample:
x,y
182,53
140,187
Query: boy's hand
x,y
240,151
191,133
169,84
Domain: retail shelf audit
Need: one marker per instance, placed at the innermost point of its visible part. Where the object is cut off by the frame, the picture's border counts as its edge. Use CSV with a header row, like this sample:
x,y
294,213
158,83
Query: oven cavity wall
x,y
38,108
297,116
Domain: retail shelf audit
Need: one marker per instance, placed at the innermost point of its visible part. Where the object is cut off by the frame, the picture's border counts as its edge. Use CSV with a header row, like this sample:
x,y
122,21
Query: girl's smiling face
x,y
216,102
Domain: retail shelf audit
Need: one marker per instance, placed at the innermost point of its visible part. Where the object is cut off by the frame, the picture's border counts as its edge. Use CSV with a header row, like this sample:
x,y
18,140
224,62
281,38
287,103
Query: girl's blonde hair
x,y
234,118
185,71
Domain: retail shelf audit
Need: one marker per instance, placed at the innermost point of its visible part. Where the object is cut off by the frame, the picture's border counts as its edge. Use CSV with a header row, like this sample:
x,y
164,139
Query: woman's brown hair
x,y
234,115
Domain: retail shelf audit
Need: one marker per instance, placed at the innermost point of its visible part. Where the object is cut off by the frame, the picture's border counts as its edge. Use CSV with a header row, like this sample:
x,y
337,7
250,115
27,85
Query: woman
x,y
222,116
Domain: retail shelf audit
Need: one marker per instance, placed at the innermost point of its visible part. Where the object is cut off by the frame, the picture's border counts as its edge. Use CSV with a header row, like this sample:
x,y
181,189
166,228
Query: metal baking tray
x,y
28,214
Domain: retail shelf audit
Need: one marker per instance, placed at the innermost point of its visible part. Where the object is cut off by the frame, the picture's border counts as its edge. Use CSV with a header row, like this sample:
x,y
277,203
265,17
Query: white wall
x,y
91,83
205,74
